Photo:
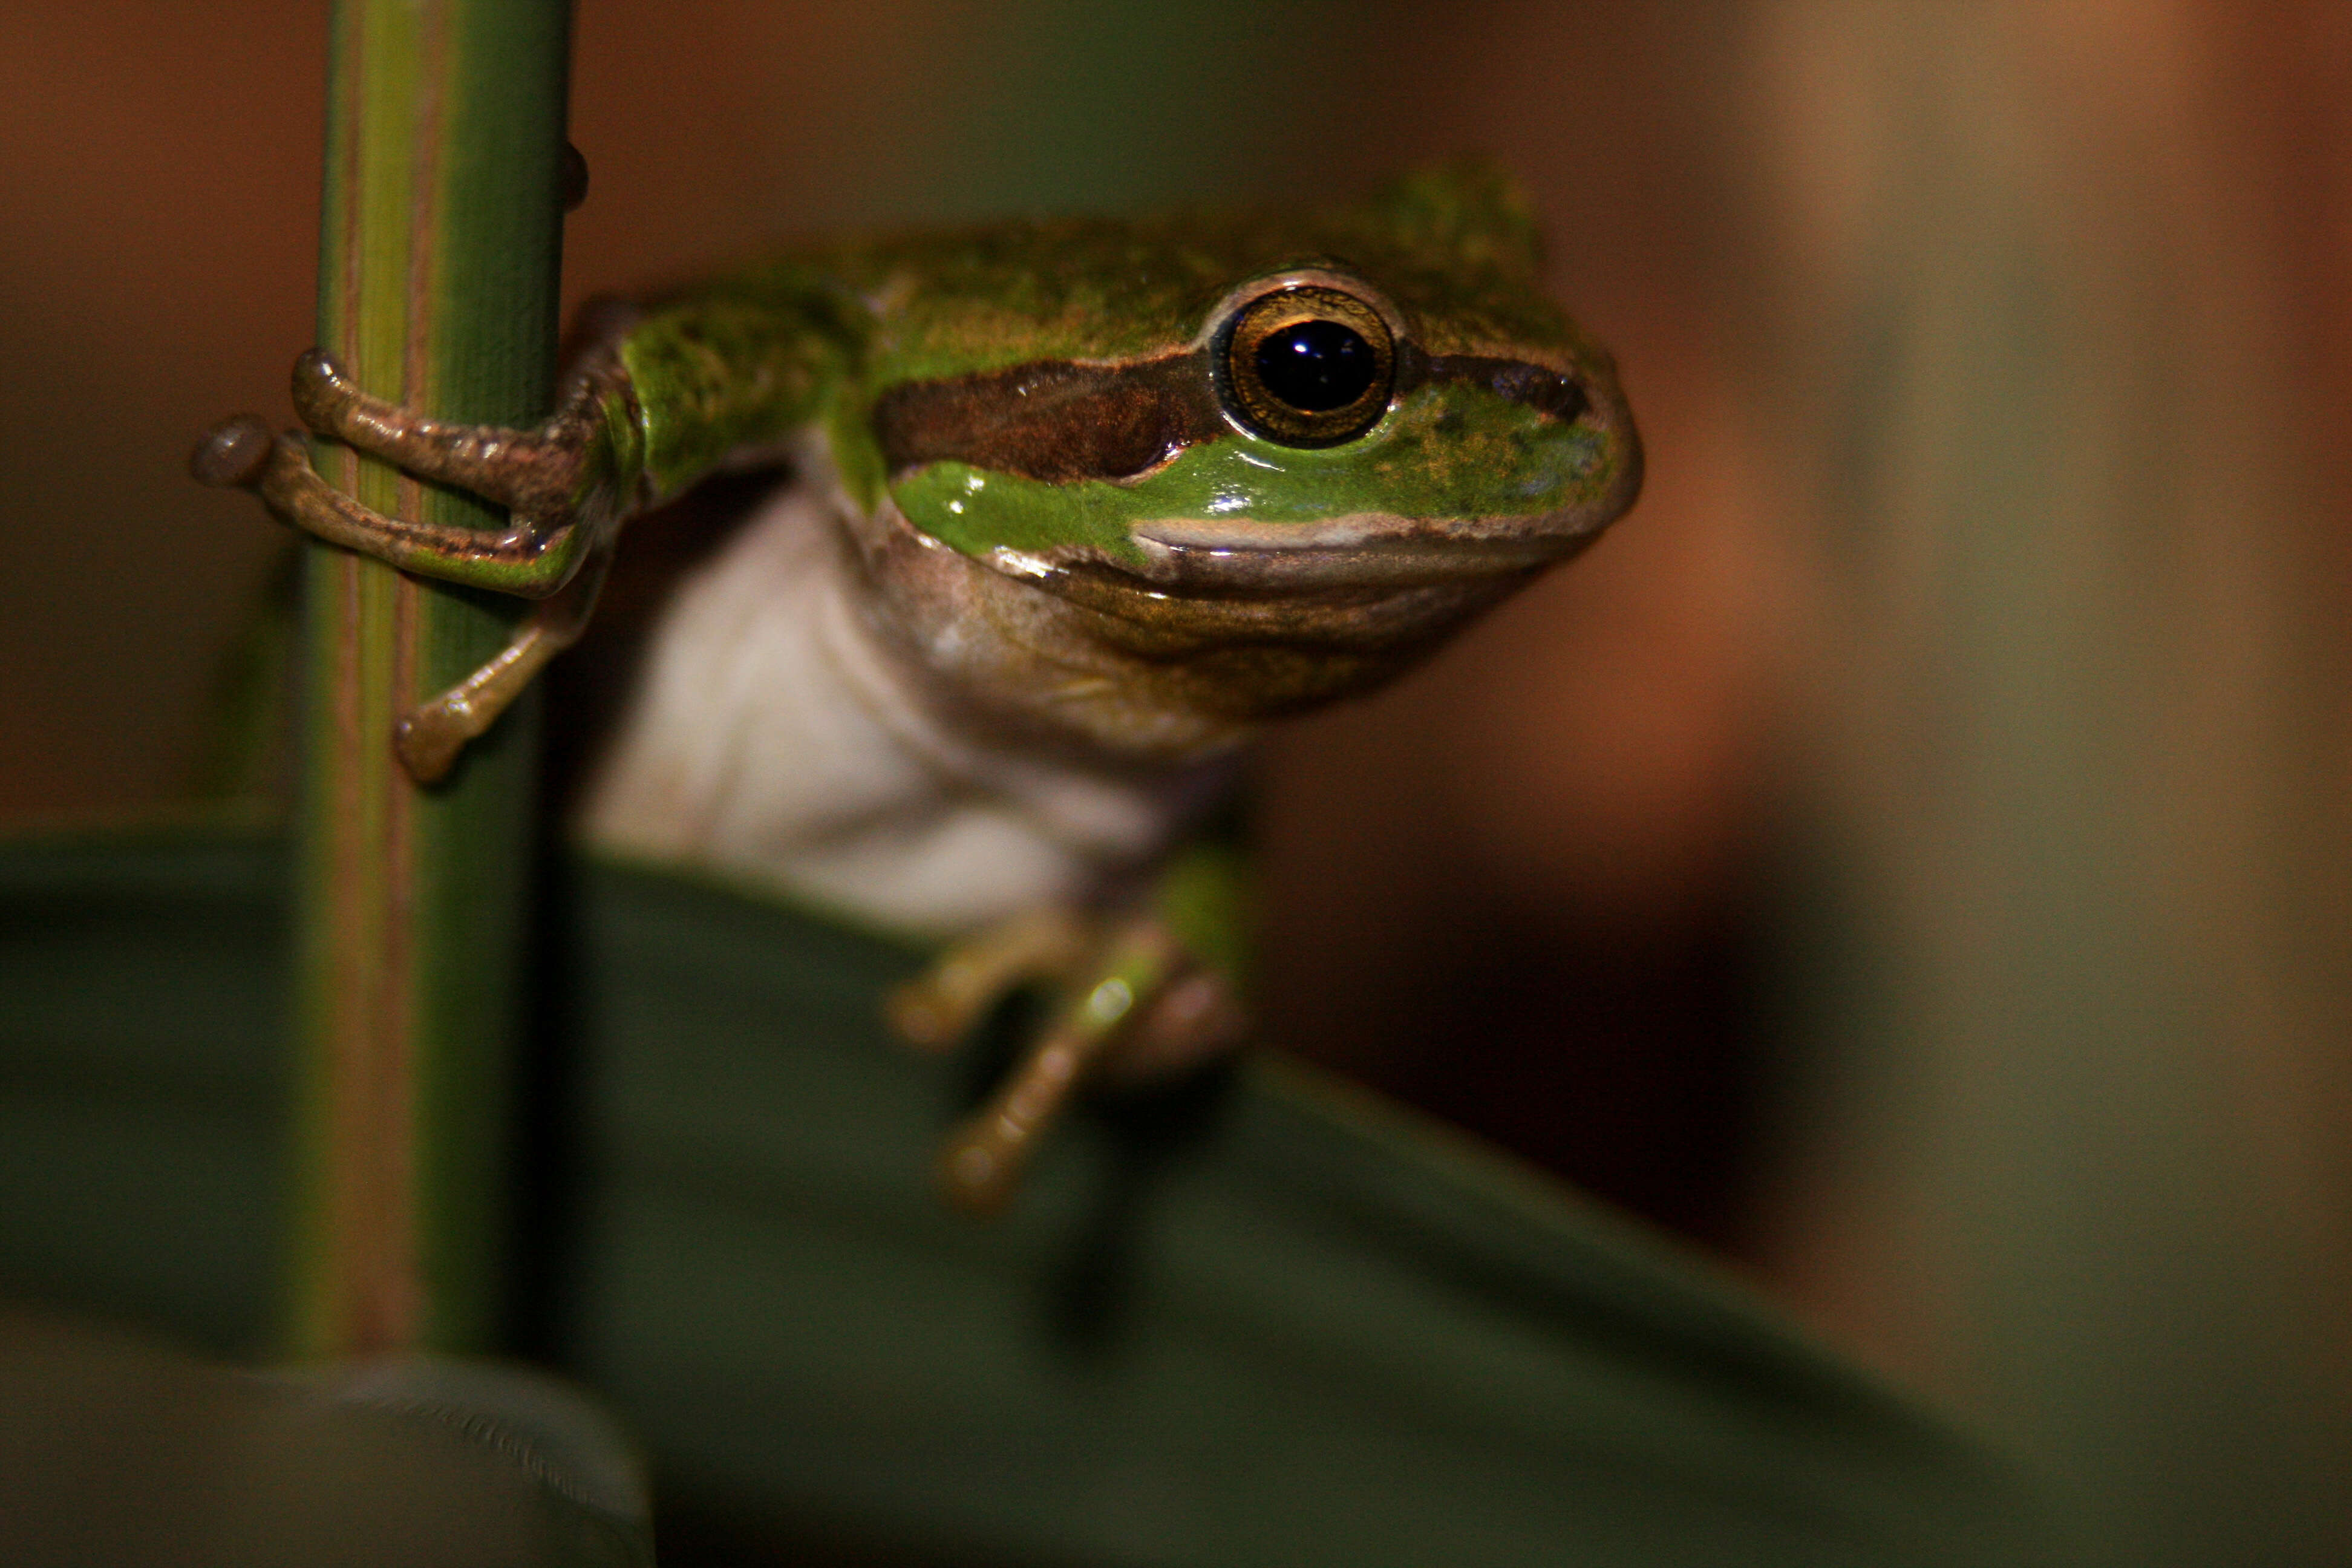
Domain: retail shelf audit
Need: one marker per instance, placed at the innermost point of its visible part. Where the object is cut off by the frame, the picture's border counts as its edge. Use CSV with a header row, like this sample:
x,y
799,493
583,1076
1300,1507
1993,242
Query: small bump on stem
x,y
575,178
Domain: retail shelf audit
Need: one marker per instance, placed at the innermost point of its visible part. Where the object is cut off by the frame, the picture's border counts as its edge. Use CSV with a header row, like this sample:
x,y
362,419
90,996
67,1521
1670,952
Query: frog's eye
x,y
1307,366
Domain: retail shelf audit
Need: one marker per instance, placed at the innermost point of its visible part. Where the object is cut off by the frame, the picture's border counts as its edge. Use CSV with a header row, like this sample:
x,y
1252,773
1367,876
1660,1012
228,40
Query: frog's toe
x,y
537,473
234,453
321,391
938,1007
428,740
980,1163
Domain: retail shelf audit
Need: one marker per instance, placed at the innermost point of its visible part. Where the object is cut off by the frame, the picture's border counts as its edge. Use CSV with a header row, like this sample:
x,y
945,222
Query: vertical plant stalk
x,y
439,252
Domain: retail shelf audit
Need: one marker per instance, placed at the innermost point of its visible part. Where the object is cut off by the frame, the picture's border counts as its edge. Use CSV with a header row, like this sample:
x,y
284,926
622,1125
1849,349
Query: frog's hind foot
x,y
940,1006
1134,1007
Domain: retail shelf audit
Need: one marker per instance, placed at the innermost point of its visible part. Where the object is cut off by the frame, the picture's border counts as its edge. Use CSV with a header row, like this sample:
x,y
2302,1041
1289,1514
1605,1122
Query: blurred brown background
x,y
1909,856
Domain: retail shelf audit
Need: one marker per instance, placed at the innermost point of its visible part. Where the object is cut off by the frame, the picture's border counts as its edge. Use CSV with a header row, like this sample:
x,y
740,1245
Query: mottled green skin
x,y
814,339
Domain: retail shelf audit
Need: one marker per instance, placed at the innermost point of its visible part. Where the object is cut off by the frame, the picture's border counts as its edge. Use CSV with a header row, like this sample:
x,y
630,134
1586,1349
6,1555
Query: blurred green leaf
x,y
1266,1319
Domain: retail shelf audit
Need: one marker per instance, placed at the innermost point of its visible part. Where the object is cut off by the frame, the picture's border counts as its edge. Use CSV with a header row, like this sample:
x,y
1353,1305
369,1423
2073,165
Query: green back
x,y
1454,245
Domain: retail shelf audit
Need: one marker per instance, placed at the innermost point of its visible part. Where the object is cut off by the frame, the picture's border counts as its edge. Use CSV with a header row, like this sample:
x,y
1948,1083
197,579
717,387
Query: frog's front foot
x,y
537,474
1131,1005
553,549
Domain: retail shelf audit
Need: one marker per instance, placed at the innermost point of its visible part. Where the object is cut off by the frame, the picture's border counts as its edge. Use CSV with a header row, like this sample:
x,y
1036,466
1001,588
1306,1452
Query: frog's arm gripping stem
x,y
561,507
713,375
566,486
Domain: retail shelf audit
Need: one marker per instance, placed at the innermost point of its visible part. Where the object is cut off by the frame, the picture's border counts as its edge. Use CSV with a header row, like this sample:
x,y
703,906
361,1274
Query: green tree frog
x,y
1076,506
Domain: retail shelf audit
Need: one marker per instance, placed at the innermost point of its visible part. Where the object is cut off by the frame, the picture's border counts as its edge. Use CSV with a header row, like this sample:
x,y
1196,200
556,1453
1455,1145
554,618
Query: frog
x,y
1075,508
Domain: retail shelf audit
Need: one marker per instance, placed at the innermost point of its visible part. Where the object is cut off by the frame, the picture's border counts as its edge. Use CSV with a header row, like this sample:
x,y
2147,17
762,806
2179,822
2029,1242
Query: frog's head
x,y
1340,432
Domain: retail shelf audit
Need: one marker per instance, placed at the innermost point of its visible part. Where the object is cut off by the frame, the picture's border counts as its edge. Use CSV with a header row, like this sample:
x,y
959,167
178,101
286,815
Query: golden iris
x,y
1309,366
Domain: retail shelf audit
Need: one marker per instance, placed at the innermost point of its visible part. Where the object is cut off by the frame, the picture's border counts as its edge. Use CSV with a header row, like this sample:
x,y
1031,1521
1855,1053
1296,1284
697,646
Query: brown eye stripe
x,y
1052,421
1061,423
1561,396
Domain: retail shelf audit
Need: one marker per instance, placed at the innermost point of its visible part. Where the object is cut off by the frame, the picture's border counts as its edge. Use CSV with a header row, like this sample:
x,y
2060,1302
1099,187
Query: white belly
x,y
775,735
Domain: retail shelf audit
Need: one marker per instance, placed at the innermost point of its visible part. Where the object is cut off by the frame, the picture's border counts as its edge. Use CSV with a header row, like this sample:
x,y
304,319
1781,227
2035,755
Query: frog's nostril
x,y
1561,396
1564,399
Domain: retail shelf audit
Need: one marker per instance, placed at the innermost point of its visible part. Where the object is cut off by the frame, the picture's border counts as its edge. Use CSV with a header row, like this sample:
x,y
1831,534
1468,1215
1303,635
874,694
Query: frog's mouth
x,y
1240,621
1229,555
1347,557
1366,582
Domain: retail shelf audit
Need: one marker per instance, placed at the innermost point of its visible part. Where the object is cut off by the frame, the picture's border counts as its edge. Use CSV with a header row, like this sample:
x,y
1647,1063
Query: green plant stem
x,y
439,251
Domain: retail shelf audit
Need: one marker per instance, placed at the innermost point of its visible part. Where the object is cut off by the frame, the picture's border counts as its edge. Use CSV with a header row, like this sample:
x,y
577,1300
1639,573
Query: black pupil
x,y
1316,366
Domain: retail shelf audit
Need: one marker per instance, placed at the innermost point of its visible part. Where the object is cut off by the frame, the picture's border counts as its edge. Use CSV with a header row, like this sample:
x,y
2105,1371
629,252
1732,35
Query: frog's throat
x,y
780,733
1094,660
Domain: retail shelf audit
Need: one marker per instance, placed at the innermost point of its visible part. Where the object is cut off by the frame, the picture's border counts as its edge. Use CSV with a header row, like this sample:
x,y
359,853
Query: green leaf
x,y
1267,1319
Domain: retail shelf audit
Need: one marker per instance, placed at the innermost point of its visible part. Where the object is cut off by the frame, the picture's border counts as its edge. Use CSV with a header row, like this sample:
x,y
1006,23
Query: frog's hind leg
x,y
940,1006
1142,1009
430,735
